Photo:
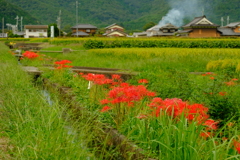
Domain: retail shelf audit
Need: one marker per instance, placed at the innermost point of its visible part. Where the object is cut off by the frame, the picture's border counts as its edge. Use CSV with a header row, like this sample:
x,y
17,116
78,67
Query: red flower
x,y
211,124
222,93
142,116
30,55
104,101
105,109
116,76
237,146
205,135
230,83
234,79
143,81
212,78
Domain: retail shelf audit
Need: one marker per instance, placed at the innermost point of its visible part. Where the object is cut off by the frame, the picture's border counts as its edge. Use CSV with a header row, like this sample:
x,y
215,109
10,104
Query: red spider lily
x,y
116,76
62,64
142,116
209,73
212,78
127,94
104,101
100,79
143,81
206,135
222,93
237,146
230,83
211,124
105,109
176,107
234,79
30,55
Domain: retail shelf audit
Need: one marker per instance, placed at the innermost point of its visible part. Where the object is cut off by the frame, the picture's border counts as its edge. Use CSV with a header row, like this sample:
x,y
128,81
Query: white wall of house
x,y
29,33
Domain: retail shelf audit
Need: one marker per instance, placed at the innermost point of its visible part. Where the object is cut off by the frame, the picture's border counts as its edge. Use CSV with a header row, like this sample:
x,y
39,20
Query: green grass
x,y
35,129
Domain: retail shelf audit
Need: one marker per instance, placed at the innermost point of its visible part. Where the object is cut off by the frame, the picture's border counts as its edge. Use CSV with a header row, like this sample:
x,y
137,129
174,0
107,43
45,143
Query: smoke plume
x,y
180,10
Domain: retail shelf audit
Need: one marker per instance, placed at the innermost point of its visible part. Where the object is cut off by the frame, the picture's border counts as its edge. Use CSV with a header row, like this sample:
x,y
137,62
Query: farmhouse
x,y
114,30
200,27
232,29
35,31
166,30
83,30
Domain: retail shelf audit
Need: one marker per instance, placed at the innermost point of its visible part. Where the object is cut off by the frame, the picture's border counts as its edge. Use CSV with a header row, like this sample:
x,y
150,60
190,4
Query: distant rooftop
x,y
200,21
234,24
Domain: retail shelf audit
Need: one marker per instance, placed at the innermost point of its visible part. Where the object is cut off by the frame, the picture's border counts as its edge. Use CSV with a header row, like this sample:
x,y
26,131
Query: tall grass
x,y
35,129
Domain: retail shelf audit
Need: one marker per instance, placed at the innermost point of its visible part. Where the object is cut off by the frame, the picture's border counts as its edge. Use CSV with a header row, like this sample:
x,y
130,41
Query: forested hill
x,y
9,12
132,14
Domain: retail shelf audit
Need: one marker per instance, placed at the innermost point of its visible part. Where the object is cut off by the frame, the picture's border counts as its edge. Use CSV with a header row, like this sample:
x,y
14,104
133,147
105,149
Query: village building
x,y
200,27
232,29
83,30
114,30
157,31
35,31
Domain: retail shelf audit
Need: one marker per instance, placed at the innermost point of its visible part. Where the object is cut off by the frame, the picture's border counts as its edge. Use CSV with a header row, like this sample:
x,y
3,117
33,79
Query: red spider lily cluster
x,y
101,79
30,55
127,94
62,64
176,107
232,82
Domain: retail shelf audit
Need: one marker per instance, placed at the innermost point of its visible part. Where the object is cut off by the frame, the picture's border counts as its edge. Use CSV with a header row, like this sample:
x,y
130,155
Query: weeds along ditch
x,y
184,104
37,130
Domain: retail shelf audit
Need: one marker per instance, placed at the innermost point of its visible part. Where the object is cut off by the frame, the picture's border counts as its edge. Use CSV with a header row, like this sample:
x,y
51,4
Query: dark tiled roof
x,y
227,32
84,26
36,26
194,22
169,26
234,24
80,33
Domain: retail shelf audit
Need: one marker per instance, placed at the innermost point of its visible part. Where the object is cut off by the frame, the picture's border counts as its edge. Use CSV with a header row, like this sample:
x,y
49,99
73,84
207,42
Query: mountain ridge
x,y
131,14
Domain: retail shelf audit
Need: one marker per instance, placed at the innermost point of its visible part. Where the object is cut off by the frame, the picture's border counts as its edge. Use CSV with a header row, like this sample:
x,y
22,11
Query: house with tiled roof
x,y
83,30
114,30
200,27
35,31
232,29
157,30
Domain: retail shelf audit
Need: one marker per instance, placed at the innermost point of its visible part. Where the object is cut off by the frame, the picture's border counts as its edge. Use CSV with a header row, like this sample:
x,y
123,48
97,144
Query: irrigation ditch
x,y
106,134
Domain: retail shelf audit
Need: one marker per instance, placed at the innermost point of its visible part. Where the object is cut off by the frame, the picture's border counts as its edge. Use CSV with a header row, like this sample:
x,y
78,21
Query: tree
x,y
148,25
56,30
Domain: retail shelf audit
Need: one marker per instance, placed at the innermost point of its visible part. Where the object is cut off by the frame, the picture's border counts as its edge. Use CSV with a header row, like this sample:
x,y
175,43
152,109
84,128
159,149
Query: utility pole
x,y
17,19
3,26
203,11
59,22
77,17
21,23
222,20
228,19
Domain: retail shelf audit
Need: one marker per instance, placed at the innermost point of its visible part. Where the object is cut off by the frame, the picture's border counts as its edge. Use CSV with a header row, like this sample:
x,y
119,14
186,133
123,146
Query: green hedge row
x,y
94,44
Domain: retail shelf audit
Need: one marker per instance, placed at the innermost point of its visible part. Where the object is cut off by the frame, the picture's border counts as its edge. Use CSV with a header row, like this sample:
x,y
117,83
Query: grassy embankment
x,y
31,128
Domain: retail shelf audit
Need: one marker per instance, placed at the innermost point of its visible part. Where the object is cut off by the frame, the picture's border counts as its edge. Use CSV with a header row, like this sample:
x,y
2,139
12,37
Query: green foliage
x,y
132,14
166,43
10,11
56,30
148,25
